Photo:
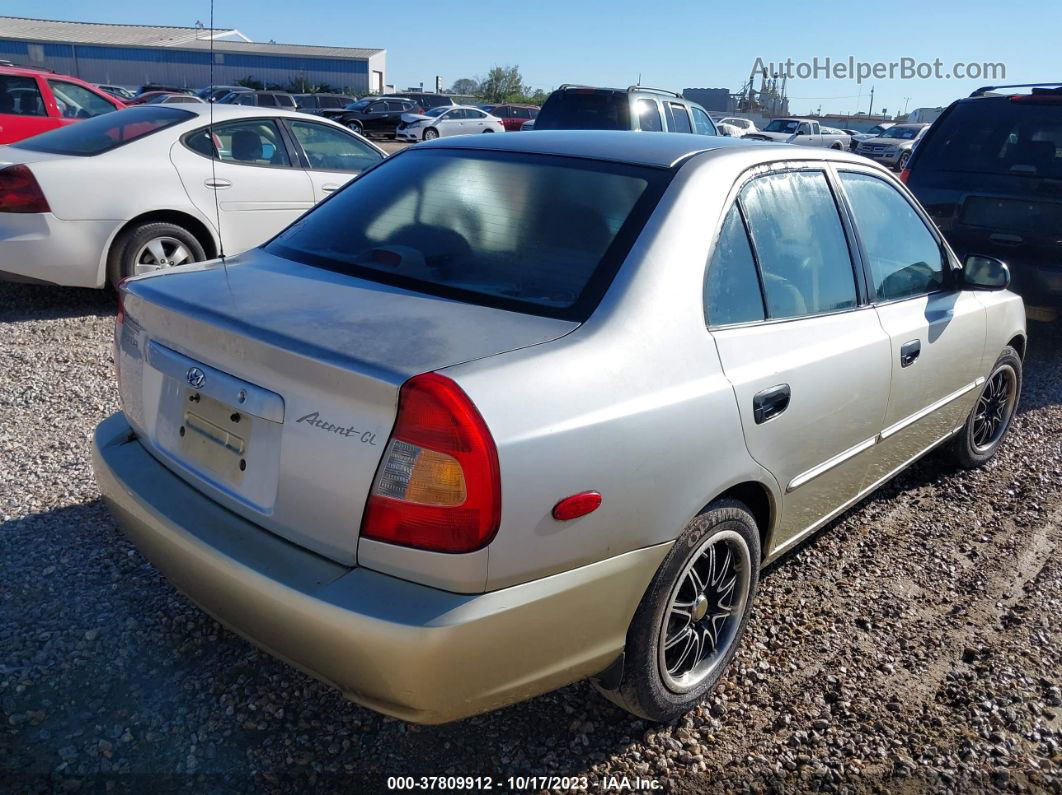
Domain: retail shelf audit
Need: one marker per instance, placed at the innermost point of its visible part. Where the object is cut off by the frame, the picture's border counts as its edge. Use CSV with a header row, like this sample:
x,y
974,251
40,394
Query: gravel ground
x,y
915,644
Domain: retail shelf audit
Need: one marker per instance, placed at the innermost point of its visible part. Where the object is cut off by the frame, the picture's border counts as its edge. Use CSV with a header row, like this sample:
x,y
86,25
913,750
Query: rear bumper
x,y
407,650
43,248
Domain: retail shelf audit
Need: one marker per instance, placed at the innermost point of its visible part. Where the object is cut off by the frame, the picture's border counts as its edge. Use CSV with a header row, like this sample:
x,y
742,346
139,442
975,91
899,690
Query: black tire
x,y
121,260
642,689
901,164
431,134
356,127
487,131
971,448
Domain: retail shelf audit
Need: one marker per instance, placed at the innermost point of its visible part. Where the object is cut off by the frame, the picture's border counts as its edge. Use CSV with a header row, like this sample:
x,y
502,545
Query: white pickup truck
x,y
802,132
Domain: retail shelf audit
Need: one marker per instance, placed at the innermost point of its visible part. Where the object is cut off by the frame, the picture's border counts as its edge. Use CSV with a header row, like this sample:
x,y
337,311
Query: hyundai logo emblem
x,y
195,377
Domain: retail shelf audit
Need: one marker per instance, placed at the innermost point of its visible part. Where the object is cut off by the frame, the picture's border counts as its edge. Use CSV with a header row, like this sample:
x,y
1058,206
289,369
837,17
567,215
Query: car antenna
x,y
216,156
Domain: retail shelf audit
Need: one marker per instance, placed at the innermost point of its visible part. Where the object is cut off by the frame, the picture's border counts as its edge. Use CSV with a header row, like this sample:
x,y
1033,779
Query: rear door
x,y
330,156
807,357
256,186
23,111
936,330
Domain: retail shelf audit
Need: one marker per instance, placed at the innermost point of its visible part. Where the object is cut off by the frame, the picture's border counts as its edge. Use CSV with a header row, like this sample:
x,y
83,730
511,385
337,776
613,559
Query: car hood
x,y
408,117
900,142
763,135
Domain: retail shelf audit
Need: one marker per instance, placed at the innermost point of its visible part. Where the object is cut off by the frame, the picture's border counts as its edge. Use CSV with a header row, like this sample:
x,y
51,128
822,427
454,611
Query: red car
x,y
512,116
33,102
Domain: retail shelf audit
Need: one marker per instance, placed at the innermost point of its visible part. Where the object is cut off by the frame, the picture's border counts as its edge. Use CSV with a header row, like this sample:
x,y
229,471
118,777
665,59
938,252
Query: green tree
x,y
502,84
465,86
250,82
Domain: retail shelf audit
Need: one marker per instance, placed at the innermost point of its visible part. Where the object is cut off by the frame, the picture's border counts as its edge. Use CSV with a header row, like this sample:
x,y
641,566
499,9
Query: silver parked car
x,y
509,411
894,146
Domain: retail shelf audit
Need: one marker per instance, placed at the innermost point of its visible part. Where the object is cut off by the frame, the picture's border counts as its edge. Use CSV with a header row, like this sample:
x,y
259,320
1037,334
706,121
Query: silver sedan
x,y
446,120
509,412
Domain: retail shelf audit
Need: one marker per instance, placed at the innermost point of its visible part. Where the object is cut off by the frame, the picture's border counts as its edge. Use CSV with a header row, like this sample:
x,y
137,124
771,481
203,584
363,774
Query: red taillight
x,y
19,191
904,174
438,486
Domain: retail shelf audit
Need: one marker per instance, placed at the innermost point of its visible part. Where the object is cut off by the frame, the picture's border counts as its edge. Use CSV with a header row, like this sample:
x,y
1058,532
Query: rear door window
x,y
905,257
998,136
267,100
252,142
20,96
531,233
800,244
678,119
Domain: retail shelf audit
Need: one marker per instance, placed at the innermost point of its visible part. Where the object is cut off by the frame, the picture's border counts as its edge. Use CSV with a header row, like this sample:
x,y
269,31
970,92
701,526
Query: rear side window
x,y
990,136
905,258
648,115
19,96
585,109
267,100
677,118
103,133
532,233
801,245
732,288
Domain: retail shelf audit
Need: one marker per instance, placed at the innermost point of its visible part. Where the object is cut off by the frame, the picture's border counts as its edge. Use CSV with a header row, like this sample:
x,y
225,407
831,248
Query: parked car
x,y
573,107
425,99
33,102
989,172
147,96
893,147
375,115
801,132
318,103
214,93
148,87
745,125
512,117
444,121
137,190
120,92
174,99
873,132
400,445
262,99
728,130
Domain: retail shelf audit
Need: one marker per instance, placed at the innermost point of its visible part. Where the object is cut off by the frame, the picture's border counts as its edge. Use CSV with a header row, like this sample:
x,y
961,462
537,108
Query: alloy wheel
x,y
994,409
704,611
159,253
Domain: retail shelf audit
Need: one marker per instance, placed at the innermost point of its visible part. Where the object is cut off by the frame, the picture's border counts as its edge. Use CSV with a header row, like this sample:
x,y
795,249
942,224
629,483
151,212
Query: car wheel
x,y
901,164
150,247
690,620
431,134
991,416
836,147
488,131
356,128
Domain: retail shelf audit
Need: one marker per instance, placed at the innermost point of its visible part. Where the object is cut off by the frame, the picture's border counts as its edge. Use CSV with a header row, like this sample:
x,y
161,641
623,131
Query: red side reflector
x,y
19,191
904,175
577,505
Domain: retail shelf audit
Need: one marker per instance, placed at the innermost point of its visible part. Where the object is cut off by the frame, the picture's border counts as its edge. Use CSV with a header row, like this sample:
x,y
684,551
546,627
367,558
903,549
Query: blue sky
x,y
670,44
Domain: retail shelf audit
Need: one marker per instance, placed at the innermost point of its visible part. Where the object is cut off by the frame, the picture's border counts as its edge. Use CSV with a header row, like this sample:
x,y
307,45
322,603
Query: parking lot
x,y
916,643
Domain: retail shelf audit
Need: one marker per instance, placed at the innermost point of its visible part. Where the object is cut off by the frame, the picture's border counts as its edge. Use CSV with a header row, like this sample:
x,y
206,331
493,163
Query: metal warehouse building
x,y
133,55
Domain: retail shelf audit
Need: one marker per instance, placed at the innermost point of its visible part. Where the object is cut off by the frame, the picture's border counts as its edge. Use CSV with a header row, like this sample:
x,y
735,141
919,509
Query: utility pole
x,y
905,101
871,100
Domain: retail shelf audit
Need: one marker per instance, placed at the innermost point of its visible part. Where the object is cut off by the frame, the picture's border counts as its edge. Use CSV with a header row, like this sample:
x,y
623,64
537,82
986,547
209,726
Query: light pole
x,y
905,101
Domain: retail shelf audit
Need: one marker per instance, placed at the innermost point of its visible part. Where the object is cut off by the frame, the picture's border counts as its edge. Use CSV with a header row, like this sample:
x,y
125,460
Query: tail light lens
x,y
904,175
20,192
439,486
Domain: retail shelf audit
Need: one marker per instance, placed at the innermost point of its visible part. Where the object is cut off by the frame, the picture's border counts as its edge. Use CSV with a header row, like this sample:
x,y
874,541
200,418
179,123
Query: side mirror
x,y
985,273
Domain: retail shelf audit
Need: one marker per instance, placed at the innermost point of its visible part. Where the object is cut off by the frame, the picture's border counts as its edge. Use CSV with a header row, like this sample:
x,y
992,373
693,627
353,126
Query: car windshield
x,y
877,129
579,109
104,133
997,136
903,133
532,233
782,125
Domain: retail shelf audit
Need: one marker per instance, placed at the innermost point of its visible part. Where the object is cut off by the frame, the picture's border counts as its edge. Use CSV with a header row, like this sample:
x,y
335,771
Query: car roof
x,y
226,112
662,150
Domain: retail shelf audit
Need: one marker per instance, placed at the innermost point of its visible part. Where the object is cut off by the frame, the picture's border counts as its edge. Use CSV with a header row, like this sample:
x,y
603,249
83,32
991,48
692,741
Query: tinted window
x,y
682,119
104,133
333,150
285,100
502,112
522,113
584,110
802,250
905,259
19,96
245,99
703,122
530,232
648,115
249,142
993,136
332,102
732,287
395,105
267,100
475,114
77,102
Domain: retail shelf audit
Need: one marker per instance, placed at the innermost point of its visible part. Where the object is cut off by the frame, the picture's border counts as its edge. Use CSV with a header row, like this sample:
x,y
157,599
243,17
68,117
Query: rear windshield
x,y
532,233
997,137
104,133
585,110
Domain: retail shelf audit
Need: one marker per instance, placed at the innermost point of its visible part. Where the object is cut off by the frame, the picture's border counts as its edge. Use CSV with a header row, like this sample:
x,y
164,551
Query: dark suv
x,y
374,115
319,103
426,100
633,108
989,171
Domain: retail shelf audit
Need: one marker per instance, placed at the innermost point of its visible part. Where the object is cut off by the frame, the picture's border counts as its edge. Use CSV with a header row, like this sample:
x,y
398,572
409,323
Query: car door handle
x,y
217,183
331,186
770,403
909,352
